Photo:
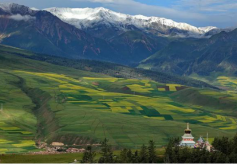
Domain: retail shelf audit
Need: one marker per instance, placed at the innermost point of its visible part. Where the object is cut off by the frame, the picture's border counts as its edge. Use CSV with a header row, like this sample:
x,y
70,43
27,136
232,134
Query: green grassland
x,y
46,102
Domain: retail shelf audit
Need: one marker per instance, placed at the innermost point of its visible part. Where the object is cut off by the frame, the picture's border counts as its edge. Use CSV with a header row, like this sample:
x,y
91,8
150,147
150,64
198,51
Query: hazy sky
x,y
221,13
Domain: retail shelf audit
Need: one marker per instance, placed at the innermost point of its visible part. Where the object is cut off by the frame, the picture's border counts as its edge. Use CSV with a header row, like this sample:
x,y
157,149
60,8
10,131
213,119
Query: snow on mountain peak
x,y
84,18
35,9
208,28
76,13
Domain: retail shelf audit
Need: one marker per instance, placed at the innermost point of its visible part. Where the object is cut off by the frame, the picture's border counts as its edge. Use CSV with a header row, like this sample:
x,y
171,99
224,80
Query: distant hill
x,y
110,69
217,54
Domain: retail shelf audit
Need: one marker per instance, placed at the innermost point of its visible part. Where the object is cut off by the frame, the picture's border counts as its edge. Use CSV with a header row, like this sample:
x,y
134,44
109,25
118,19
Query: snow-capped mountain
x,y
88,18
42,32
101,34
98,19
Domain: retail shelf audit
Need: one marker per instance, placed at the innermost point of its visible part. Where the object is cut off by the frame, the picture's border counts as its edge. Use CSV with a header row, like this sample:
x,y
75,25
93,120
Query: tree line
x,y
146,154
225,151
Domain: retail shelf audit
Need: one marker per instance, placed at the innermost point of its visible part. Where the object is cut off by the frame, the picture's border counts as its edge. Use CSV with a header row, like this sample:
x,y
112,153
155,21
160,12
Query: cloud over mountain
x,y
19,17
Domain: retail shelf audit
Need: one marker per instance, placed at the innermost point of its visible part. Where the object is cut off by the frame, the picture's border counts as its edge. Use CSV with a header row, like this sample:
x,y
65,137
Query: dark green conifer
x,y
106,152
88,156
152,152
143,155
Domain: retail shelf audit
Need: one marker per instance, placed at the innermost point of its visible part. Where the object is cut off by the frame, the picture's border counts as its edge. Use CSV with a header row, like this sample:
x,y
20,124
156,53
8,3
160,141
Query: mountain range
x,y
101,34
45,33
50,35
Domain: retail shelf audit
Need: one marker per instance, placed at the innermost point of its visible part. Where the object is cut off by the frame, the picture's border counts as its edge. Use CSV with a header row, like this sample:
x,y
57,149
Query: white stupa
x,y
187,138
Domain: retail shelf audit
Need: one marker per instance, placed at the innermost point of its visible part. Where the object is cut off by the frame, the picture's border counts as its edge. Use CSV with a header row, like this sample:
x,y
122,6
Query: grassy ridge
x,y
17,122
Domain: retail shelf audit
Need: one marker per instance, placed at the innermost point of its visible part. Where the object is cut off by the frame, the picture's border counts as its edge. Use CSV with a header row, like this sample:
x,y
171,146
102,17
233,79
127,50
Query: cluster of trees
x,y
228,148
147,154
225,151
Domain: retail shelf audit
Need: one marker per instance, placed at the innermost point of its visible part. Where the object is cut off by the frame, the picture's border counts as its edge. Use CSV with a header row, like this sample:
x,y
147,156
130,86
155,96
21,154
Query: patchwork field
x,y
229,82
85,110
42,102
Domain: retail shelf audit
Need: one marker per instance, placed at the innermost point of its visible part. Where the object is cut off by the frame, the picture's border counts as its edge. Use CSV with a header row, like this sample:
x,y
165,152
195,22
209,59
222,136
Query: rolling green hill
x,y
45,102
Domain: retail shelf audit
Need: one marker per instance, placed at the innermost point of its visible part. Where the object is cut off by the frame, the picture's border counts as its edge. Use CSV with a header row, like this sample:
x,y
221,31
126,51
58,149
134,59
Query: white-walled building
x,y
187,138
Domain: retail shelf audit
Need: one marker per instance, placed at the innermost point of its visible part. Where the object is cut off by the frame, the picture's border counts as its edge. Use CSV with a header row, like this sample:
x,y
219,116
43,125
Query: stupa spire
x,y
187,138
